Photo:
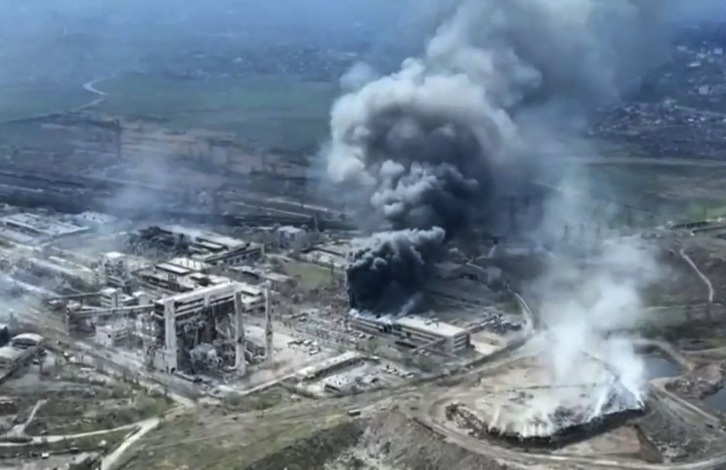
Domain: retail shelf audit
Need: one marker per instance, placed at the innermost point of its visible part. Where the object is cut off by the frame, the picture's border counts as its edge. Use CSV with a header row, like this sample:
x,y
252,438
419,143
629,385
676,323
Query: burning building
x,y
436,147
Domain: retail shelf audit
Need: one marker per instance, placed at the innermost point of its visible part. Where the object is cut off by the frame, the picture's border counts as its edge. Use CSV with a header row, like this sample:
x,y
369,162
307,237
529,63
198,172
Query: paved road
x,y
144,427
64,437
109,461
30,419
703,277
91,87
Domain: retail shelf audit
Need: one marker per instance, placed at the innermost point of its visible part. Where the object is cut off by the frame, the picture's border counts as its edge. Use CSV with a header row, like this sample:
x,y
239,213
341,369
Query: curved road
x,y
91,87
63,437
703,277
715,462
143,427
432,407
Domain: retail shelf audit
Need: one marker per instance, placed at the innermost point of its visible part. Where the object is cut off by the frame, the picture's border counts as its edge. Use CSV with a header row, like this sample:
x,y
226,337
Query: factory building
x,y
9,356
211,315
413,331
115,334
94,220
250,275
27,340
4,334
213,248
24,226
114,270
111,297
292,238
453,271
243,253
55,267
332,255
21,350
180,275
206,247
329,366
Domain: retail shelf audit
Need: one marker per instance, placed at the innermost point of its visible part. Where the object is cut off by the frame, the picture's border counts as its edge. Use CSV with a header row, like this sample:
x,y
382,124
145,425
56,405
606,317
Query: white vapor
x,y
505,84
360,74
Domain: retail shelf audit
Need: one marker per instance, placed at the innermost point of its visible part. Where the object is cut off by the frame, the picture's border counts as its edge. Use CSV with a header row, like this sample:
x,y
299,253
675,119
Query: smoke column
x,y
430,145
583,307
390,267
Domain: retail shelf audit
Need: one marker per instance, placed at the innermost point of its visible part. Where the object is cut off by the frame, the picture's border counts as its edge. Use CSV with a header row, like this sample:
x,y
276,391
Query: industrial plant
x,y
497,246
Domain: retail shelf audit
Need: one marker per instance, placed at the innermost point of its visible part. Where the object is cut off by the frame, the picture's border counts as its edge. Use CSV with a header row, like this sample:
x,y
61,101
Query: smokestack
x,y
512,207
240,363
268,326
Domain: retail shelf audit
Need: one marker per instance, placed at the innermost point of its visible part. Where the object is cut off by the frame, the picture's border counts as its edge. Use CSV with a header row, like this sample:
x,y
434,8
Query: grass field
x,y
671,191
28,100
222,439
309,276
67,416
269,111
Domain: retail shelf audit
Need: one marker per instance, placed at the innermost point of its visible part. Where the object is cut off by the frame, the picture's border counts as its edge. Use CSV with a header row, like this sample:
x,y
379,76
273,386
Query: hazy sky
x,y
60,38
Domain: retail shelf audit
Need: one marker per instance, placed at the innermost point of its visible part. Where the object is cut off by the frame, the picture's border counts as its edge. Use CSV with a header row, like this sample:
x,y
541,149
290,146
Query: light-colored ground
x,y
286,360
53,461
368,375
620,442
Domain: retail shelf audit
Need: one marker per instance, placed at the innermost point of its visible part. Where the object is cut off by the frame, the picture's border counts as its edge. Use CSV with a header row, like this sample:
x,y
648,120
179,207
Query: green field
x,y
269,111
309,276
673,190
28,100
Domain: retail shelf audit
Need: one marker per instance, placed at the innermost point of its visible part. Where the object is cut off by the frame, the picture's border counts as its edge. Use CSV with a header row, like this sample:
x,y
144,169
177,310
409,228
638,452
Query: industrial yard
x,y
305,256
145,324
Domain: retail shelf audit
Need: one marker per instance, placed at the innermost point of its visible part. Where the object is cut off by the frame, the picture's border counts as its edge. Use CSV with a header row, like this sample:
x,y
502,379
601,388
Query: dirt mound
x,y
674,439
393,441
388,441
702,381
315,451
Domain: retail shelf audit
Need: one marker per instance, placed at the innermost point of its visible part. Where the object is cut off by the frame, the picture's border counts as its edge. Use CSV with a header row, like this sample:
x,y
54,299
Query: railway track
x,y
74,194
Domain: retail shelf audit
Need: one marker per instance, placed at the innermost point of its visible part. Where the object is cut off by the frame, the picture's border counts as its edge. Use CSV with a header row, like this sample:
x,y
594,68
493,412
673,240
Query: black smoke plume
x,y
428,146
391,268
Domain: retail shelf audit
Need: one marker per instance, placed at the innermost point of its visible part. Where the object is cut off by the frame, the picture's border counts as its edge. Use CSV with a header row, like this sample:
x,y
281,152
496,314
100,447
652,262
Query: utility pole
x,y
629,216
512,202
119,138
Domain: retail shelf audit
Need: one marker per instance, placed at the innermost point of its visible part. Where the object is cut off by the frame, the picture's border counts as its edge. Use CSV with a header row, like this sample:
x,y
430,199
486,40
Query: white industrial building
x,y
114,334
256,276
180,275
188,319
292,238
115,270
213,248
413,331
38,226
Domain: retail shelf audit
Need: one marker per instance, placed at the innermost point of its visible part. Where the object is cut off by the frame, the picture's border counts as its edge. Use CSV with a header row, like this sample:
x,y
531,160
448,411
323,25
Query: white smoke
x,y
589,308
506,84
360,74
